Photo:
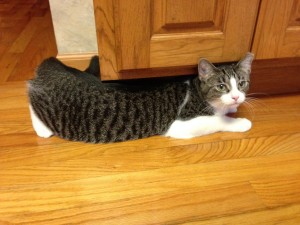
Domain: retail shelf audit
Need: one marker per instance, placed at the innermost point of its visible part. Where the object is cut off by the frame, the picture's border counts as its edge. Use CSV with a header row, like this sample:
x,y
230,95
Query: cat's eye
x,y
221,87
243,84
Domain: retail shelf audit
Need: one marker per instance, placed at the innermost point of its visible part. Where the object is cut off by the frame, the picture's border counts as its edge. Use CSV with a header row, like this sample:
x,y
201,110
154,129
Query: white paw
x,y
239,125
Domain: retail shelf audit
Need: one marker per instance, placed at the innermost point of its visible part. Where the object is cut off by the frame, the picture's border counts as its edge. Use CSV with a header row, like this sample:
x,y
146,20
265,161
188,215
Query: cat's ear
x,y
245,63
205,69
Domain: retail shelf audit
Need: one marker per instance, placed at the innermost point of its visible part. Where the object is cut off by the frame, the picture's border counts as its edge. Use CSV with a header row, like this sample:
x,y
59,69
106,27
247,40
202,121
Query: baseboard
x,y
78,61
276,76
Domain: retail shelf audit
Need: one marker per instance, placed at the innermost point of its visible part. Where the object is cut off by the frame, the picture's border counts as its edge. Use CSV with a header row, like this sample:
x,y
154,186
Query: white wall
x,y
74,26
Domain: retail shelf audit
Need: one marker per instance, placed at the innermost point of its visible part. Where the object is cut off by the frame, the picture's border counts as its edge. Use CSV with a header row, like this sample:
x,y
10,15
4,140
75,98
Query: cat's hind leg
x,y
40,128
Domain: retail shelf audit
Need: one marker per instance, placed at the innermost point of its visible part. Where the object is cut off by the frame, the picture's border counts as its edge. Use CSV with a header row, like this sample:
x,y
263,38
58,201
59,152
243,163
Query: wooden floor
x,y
225,178
26,38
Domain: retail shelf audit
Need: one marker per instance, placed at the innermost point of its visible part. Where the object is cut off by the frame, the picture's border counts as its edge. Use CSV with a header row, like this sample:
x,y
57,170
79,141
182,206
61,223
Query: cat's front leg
x,y
204,125
236,125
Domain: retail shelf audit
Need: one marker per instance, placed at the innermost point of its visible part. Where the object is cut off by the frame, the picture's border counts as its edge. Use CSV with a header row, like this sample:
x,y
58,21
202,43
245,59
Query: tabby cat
x,y
76,105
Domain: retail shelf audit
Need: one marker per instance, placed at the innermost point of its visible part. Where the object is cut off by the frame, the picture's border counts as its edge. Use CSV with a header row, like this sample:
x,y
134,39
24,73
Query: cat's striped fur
x,y
77,106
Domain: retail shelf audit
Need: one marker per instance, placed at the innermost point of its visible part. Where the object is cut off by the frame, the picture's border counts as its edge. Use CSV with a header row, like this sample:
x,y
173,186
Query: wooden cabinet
x,y
147,38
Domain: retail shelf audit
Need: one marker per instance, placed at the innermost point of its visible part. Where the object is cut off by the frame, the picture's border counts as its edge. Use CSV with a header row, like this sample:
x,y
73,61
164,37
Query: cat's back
x,y
77,106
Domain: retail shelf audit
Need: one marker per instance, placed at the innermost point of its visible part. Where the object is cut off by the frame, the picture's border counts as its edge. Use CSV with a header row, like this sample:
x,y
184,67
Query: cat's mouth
x,y
221,106
218,104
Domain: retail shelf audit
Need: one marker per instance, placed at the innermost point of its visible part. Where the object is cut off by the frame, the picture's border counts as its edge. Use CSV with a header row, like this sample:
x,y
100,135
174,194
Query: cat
x,y
76,105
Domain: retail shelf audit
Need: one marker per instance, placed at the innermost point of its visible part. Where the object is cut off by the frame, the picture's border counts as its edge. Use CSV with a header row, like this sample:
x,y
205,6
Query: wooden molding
x,y
276,76
79,61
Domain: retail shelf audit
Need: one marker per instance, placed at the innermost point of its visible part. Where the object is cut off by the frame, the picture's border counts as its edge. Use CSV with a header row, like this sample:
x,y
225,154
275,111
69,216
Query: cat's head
x,y
225,87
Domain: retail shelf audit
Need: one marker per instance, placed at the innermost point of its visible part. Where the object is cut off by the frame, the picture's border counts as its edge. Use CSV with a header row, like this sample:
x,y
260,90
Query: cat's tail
x,y
53,67
50,66
94,67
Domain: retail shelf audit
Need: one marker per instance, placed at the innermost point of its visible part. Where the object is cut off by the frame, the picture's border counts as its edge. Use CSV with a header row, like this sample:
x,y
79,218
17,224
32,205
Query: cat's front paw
x,y
240,125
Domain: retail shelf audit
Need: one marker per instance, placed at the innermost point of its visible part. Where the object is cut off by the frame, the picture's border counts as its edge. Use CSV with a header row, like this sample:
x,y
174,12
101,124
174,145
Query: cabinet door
x,y
278,29
151,34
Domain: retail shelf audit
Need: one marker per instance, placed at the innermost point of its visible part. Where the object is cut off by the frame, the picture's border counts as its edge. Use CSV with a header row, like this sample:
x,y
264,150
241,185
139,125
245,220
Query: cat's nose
x,y
235,98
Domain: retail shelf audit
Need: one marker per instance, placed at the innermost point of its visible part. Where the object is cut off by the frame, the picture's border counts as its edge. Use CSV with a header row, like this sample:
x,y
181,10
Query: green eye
x,y
243,84
221,87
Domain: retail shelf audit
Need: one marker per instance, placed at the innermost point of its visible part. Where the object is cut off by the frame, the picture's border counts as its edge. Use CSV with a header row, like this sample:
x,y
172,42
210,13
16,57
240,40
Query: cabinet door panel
x,y
171,16
278,29
151,34
222,33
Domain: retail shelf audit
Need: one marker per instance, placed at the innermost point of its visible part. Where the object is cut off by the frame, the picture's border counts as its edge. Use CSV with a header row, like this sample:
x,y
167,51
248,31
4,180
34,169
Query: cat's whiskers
x,y
252,104
256,102
250,98
250,108
208,108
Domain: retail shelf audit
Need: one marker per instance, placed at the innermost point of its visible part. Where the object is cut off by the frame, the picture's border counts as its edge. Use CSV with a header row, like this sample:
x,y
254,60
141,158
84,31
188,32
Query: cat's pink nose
x,y
235,98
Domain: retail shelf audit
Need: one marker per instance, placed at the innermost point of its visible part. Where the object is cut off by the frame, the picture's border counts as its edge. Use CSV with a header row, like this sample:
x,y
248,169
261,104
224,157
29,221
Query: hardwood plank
x,y
27,38
287,190
186,193
289,215
163,208
8,63
110,161
20,44
36,51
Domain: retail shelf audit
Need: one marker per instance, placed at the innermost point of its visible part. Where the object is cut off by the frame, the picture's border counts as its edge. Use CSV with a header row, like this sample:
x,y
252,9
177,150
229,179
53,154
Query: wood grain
x,y
27,37
106,36
277,32
132,19
280,216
